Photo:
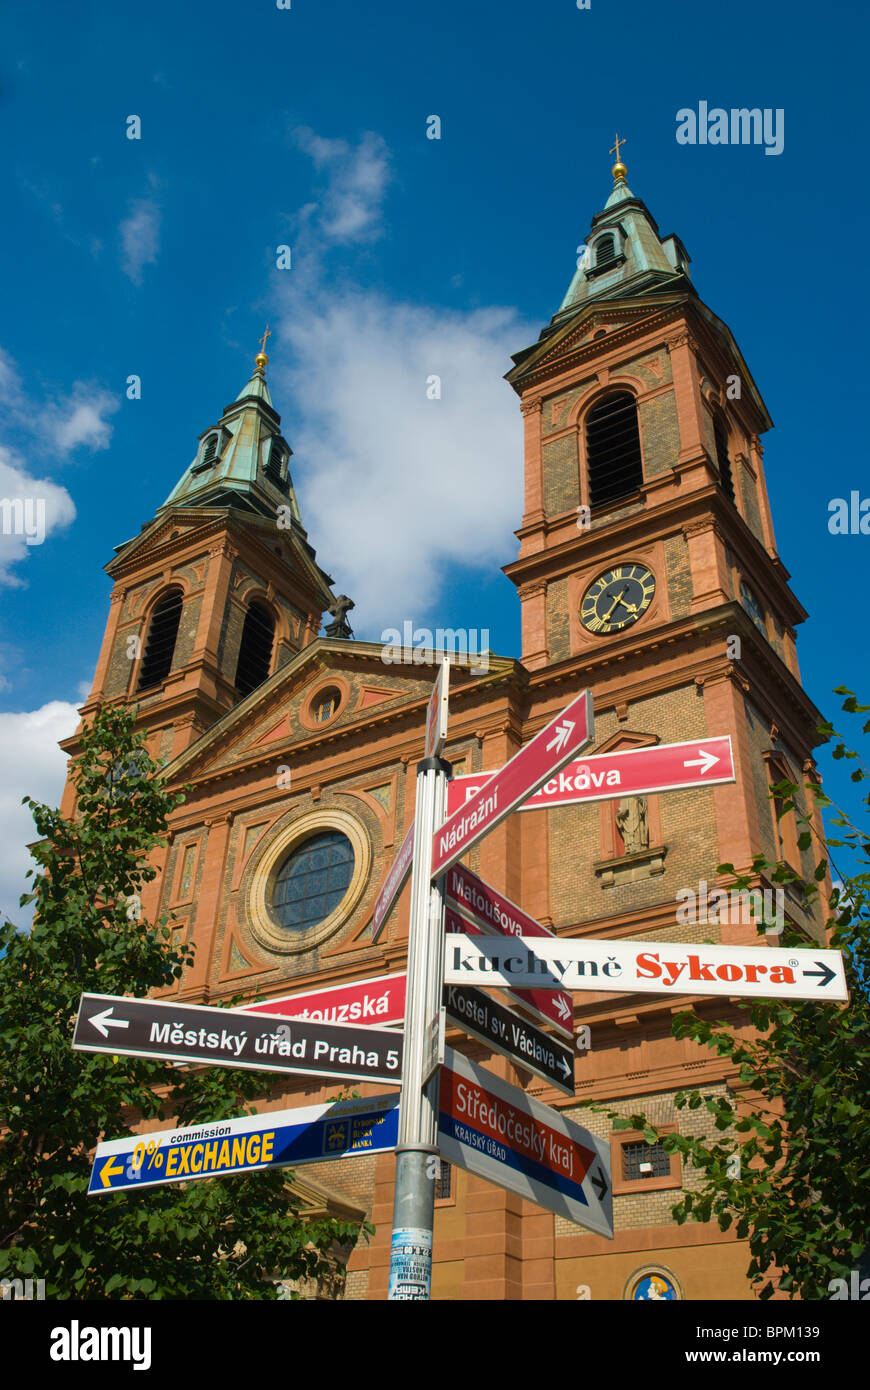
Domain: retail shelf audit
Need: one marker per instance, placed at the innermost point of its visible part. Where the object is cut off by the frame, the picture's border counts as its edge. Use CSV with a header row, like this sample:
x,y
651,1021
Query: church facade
x,y
647,571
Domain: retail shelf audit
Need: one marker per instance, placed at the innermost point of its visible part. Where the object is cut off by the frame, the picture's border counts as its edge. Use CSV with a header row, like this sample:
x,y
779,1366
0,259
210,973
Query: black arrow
x,y
599,1182
824,973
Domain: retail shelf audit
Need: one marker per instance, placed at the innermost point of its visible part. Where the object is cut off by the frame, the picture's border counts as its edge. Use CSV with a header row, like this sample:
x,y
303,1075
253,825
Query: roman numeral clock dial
x,y
617,598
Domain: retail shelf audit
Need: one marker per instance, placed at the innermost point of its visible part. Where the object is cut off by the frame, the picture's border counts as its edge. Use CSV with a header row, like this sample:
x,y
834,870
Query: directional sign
x,y
311,1134
232,1038
661,767
561,740
375,1002
495,1130
648,967
393,883
436,714
553,1006
489,910
511,1035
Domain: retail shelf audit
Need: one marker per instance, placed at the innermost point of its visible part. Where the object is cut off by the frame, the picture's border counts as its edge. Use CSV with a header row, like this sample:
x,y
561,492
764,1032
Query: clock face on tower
x,y
617,598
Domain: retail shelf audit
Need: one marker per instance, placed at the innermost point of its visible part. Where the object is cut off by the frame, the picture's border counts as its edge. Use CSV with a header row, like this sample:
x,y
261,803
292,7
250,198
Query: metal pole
x,y
417,1149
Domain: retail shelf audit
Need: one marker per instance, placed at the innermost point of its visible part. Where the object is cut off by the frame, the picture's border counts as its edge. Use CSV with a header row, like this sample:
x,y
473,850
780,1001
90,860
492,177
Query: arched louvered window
x,y
276,458
255,652
605,251
613,454
209,453
160,646
720,434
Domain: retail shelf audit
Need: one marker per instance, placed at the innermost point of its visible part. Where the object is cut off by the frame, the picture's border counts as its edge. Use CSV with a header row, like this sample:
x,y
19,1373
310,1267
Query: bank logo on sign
x,y
336,1136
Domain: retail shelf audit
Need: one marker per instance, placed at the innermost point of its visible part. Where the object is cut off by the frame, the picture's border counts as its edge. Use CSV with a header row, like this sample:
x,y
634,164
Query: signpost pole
x,y
417,1148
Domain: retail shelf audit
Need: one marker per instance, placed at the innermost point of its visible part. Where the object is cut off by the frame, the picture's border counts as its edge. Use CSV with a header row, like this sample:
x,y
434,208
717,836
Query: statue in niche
x,y
632,823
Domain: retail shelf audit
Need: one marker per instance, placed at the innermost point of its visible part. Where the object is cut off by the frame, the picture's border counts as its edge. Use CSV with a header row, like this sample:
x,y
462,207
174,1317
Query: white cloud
x,y
79,420
33,765
397,489
140,237
357,177
43,507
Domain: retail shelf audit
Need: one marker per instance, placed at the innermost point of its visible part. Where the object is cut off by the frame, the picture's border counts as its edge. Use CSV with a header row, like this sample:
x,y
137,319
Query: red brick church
x,y
643,463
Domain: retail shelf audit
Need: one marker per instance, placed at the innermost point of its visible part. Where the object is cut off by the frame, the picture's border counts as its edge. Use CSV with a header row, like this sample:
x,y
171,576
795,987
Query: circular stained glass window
x,y
313,880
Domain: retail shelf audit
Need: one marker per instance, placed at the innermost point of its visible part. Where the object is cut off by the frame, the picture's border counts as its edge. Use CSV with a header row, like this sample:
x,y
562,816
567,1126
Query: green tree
x,y
222,1238
789,1160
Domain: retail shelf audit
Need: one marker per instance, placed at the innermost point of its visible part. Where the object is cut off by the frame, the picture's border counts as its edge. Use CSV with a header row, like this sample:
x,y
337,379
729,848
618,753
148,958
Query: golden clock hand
x,y
616,601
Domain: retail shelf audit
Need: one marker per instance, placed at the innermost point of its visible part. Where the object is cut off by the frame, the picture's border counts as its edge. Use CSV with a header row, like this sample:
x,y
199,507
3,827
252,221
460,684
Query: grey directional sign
x,y
511,1035
230,1038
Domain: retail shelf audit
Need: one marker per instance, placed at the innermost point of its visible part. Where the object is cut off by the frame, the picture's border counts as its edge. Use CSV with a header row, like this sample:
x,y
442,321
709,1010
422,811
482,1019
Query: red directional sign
x,y
393,883
377,1001
561,740
660,767
488,910
497,1131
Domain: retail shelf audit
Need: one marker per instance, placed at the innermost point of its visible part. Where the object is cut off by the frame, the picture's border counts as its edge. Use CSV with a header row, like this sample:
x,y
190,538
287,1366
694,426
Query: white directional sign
x,y
650,967
537,760
495,1130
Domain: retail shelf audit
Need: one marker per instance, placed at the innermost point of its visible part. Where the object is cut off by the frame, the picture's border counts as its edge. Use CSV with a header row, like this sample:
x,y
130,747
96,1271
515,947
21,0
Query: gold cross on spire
x,y
619,170
261,358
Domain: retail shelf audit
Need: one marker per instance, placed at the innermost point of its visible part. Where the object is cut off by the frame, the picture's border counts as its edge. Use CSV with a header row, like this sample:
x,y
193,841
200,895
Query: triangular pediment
x,y
173,532
583,333
324,693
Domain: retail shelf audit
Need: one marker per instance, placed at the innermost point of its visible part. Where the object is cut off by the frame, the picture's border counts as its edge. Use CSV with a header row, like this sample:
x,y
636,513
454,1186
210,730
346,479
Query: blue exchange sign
x,y
225,1148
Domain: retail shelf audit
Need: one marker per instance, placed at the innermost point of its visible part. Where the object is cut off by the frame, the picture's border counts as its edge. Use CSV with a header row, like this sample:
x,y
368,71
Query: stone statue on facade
x,y
632,823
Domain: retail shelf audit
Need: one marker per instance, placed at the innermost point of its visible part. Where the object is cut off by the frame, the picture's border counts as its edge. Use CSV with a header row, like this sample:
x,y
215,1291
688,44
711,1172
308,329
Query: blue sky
x,y
307,127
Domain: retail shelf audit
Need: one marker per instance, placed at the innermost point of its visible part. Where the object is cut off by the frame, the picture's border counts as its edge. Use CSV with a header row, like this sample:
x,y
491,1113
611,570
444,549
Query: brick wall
x,y
659,434
678,575
561,475
558,620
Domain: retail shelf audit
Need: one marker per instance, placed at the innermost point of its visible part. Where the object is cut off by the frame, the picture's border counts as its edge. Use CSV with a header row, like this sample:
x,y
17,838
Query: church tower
x,y
647,560
219,590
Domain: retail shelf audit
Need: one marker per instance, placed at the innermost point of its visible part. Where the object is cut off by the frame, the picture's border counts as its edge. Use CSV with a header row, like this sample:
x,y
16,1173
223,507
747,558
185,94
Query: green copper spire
x,y
624,255
242,461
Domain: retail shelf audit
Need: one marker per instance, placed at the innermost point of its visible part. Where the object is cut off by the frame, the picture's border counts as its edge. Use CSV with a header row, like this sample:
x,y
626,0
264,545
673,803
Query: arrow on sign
x,y
104,1021
107,1172
824,974
566,1070
563,733
504,791
705,762
599,1182
562,1007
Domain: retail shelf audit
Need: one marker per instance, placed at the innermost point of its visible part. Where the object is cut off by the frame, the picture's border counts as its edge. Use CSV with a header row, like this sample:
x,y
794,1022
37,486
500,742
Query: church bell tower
x,y
220,589
647,560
